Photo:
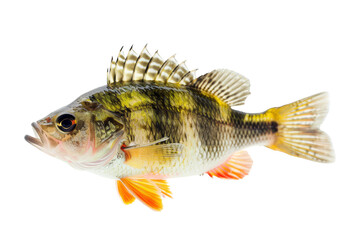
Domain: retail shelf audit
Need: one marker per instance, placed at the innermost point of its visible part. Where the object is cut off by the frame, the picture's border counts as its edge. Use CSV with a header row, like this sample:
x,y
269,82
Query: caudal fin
x,y
298,129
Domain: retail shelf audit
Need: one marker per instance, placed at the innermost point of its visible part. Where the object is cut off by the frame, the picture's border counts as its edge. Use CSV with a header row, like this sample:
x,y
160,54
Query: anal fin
x,y
236,166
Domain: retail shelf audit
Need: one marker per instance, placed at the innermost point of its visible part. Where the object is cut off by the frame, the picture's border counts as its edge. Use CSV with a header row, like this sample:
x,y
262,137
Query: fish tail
x,y
298,132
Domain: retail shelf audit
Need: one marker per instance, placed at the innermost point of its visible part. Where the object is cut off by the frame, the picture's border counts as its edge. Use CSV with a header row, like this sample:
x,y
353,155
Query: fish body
x,y
207,130
154,120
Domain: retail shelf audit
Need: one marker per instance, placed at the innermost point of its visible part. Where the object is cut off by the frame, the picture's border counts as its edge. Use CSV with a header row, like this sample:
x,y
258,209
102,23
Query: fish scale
x,y
161,112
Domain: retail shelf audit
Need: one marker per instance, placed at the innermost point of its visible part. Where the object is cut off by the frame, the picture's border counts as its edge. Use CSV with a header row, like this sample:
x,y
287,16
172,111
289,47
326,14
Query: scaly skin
x,y
209,129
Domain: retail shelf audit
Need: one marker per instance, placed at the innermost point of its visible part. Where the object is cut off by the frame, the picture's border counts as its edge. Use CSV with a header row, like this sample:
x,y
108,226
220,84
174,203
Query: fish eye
x,y
66,122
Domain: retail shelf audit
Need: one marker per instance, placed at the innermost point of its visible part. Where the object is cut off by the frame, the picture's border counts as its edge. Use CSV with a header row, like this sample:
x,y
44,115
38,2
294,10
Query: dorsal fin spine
x,y
188,78
166,69
111,71
141,65
129,65
230,87
155,64
120,66
178,73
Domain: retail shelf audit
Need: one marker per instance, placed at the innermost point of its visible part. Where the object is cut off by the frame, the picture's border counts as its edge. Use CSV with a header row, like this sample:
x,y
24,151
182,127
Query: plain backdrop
x,y
52,52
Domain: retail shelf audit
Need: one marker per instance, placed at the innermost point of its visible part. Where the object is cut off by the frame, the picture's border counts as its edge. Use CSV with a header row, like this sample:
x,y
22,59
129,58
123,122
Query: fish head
x,y
84,134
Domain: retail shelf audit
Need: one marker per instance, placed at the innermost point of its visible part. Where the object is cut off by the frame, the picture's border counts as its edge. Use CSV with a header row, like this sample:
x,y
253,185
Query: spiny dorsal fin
x,y
154,65
143,67
229,86
129,65
178,73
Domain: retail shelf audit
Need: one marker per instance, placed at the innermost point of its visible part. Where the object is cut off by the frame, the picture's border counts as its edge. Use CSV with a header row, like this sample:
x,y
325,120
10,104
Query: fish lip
x,y
39,141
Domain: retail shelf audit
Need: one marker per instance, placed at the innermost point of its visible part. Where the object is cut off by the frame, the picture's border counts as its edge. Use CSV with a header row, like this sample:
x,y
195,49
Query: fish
x,y
155,120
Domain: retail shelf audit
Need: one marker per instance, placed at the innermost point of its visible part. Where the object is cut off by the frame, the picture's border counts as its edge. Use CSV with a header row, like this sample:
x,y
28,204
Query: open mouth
x,y
39,140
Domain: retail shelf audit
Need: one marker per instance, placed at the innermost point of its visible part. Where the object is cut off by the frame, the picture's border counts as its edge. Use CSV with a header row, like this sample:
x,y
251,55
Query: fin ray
x,y
147,68
231,87
236,166
154,65
147,191
166,69
298,129
129,65
163,186
141,65
124,193
153,155
178,73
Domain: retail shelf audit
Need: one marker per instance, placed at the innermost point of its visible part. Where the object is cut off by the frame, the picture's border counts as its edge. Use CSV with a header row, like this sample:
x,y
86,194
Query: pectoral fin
x,y
148,191
235,167
152,155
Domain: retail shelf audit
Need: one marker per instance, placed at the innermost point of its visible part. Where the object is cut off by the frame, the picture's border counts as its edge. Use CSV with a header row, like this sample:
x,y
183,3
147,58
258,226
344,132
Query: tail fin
x,y
298,129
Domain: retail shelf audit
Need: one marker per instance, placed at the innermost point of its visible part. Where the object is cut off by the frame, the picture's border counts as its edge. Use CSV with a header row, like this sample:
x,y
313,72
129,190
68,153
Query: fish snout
x,y
40,140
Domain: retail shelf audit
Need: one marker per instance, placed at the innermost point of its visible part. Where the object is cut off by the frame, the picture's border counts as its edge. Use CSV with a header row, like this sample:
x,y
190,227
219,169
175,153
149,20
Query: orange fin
x,y
235,167
147,191
125,195
163,186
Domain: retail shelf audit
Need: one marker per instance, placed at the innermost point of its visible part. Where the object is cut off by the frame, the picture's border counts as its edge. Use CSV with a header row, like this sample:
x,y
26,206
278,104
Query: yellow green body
x,y
209,130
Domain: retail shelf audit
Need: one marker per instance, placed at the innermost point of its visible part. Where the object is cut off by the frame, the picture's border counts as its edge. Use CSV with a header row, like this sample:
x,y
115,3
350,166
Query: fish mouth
x,y
38,141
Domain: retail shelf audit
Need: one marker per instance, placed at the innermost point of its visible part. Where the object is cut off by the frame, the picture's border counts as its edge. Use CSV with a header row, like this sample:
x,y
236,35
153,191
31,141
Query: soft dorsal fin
x,y
231,87
145,67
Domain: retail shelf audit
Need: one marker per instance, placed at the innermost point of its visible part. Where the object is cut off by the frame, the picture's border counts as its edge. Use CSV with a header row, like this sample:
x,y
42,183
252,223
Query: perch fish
x,y
155,120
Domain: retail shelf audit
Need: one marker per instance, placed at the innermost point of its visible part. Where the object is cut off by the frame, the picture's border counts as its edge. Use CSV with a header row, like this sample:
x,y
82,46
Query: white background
x,y
53,52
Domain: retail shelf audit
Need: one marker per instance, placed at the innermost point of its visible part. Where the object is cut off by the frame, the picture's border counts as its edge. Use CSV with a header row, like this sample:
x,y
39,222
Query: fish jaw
x,y
43,141
40,141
